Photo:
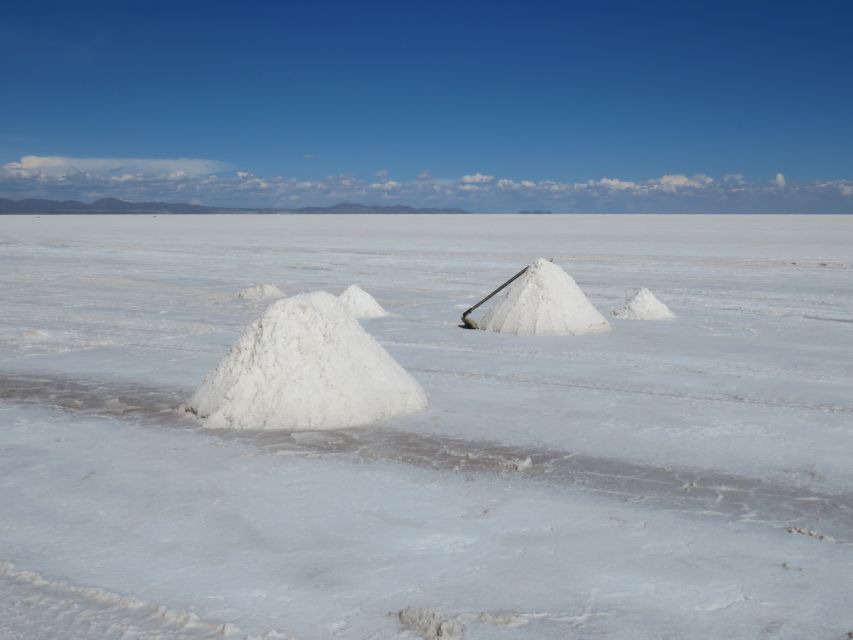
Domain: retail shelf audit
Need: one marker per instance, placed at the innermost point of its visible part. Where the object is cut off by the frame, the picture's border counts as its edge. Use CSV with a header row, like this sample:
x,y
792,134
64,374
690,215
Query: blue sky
x,y
723,106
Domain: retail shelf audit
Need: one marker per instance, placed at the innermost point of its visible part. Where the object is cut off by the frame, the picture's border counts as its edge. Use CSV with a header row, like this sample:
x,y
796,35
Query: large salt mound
x,y
644,306
361,304
544,301
260,292
306,364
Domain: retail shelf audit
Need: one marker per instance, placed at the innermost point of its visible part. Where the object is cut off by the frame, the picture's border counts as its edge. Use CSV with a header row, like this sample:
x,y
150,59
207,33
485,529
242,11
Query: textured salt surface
x,y
361,304
644,306
260,292
429,624
432,625
44,609
755,384
707,491
544,301
306,364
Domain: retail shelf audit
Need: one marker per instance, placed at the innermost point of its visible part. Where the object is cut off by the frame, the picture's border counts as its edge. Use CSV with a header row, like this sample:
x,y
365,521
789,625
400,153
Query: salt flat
x,y
687,478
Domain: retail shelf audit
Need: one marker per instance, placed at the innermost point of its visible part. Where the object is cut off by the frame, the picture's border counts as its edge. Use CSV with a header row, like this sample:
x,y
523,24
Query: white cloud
x,y
516,185
127,177
59,166
670,183
552,186
386,185
615,184
780,180
477,178
674,182
182,180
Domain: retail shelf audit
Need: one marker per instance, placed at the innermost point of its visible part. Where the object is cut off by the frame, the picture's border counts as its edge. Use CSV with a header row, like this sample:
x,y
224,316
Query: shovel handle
x,y
465,315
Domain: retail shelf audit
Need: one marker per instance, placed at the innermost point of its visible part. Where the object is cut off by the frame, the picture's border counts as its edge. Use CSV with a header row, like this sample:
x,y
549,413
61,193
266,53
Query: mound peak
x,y
361,304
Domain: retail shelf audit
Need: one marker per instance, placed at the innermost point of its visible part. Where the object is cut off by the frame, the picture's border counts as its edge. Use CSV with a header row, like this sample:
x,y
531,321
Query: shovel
x,y
470,323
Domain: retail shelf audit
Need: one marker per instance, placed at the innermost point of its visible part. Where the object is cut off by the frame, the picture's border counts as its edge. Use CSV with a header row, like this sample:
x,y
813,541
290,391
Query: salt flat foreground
x,y
690,478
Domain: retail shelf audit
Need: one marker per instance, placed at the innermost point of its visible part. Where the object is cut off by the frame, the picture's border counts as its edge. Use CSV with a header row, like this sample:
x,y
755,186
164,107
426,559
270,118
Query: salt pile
x,y
644,306
544,301
306,364
33,335
260,292
361,304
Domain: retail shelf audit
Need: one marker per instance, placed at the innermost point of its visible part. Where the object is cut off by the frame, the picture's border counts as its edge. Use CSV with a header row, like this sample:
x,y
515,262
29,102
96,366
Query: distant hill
x,y
114,205
104,205
32,205
349,207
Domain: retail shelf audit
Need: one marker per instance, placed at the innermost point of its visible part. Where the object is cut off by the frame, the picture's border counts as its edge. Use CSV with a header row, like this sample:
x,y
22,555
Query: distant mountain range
x,y
114,205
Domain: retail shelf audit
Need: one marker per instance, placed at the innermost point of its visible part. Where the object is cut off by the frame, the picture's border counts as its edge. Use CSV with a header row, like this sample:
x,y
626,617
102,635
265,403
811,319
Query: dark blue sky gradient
x,y
562,91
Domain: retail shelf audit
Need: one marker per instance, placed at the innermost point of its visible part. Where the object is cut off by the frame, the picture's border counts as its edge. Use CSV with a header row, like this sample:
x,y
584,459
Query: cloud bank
x,y
119,169
215,183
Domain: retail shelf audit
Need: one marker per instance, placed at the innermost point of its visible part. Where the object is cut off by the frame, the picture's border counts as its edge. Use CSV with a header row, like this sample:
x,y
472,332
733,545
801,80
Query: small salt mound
x,y
33,335
544,301
644,306
260,292
361,304
306,364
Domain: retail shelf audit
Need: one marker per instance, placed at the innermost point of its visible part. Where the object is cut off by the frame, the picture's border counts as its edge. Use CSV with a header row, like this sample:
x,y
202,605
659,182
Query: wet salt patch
x,y
517,526
306,364
713,493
